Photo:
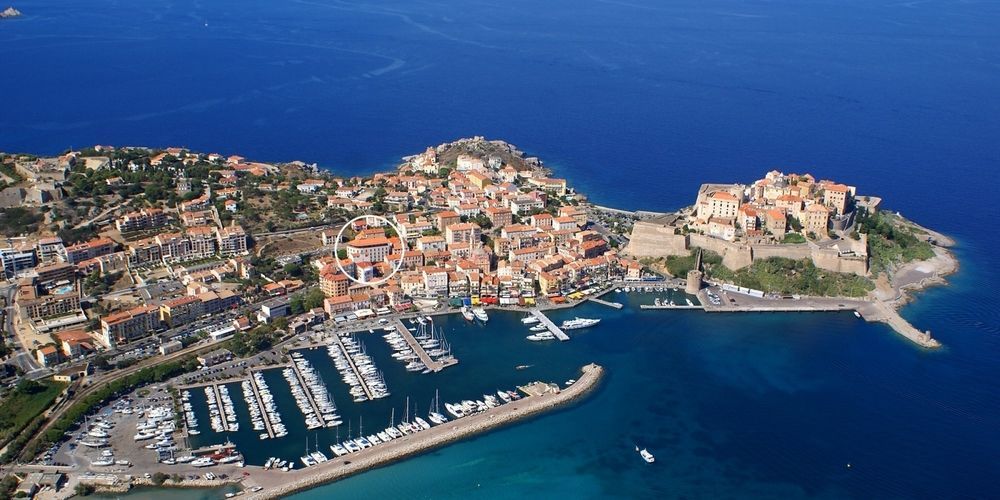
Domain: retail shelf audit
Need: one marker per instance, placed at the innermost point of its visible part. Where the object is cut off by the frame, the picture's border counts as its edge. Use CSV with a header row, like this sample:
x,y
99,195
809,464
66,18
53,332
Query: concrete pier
x,y
561,335
869,310
199,385
279,484
214,448
354,368
218,402
309,394
260,406
615,305
435,366
668,306
884,313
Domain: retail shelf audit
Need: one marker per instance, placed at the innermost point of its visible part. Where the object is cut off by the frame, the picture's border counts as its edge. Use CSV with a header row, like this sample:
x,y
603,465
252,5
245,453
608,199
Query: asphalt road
x,y
22,357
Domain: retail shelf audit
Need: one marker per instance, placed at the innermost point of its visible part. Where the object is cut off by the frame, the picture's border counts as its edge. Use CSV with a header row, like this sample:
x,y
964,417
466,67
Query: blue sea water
x,y
636,102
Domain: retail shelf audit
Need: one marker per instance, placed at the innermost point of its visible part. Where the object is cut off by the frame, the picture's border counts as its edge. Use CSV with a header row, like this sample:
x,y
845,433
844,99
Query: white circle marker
x,y
399,264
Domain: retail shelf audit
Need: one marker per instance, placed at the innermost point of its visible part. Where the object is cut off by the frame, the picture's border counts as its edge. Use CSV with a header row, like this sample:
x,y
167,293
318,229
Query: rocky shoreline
x,y
277,484
919,275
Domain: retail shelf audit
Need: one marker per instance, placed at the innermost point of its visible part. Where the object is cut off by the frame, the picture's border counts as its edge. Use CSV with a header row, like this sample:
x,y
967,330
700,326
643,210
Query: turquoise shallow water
x,y
733,405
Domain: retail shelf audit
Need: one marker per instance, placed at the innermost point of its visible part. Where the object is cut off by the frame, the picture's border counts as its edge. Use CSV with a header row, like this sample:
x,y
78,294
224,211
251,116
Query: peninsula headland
x,y
185,280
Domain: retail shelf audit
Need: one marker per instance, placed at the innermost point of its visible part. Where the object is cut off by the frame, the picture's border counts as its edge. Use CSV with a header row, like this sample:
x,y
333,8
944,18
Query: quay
x,y
561,335
213,448
279,484
199,385
434,366
306,388
260,406
669,306
869,310
884,313
615,305
354,368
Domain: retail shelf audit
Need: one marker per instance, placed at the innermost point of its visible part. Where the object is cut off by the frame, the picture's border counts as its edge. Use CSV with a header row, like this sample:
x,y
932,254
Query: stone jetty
x,y
279,484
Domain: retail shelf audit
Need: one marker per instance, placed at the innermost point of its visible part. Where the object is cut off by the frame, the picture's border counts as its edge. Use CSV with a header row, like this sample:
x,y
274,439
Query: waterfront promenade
x,y
278,484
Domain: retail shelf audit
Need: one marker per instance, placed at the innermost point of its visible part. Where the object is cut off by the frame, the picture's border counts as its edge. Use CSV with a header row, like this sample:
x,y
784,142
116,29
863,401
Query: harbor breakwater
x,y
278,484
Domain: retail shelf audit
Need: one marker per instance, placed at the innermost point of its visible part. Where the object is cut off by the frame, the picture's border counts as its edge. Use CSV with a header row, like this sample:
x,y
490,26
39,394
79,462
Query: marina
x,y
357,369
266,411
555,330
222,416
320,401
360,458
432,364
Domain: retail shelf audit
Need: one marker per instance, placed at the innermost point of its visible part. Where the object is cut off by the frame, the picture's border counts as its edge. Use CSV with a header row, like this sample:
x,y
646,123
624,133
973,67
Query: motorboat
x,y
529,320
202,462
467,314
540,337
577,323
480,314
646,455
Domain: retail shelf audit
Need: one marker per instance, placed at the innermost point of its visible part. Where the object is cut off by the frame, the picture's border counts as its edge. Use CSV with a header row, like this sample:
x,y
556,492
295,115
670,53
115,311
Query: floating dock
x,y
305,387
616,305
354,368
433,365
260,405
218,403
561,335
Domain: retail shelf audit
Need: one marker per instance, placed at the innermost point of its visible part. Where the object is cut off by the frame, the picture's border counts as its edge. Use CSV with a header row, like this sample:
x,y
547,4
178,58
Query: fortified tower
x,y
694,277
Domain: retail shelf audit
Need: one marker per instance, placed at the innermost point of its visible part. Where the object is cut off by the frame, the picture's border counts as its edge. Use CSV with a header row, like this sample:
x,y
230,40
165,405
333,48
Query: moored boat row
x,y
269,406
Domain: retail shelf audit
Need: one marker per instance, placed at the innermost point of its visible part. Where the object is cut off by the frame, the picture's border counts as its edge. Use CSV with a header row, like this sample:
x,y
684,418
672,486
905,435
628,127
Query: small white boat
x,y
480,314
857,314
529,320
646,455
467,314
203,462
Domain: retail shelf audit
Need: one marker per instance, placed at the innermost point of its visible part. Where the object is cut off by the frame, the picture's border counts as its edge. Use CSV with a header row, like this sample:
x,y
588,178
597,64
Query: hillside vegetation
x,y
788,276
774,275
890,242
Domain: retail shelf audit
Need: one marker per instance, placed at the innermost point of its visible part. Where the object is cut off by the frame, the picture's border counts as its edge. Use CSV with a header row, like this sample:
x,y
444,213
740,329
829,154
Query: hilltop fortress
x,y
782,215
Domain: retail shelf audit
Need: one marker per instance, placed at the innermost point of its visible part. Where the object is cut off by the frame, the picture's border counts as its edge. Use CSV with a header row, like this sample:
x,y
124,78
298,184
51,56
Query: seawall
x,y
279,484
